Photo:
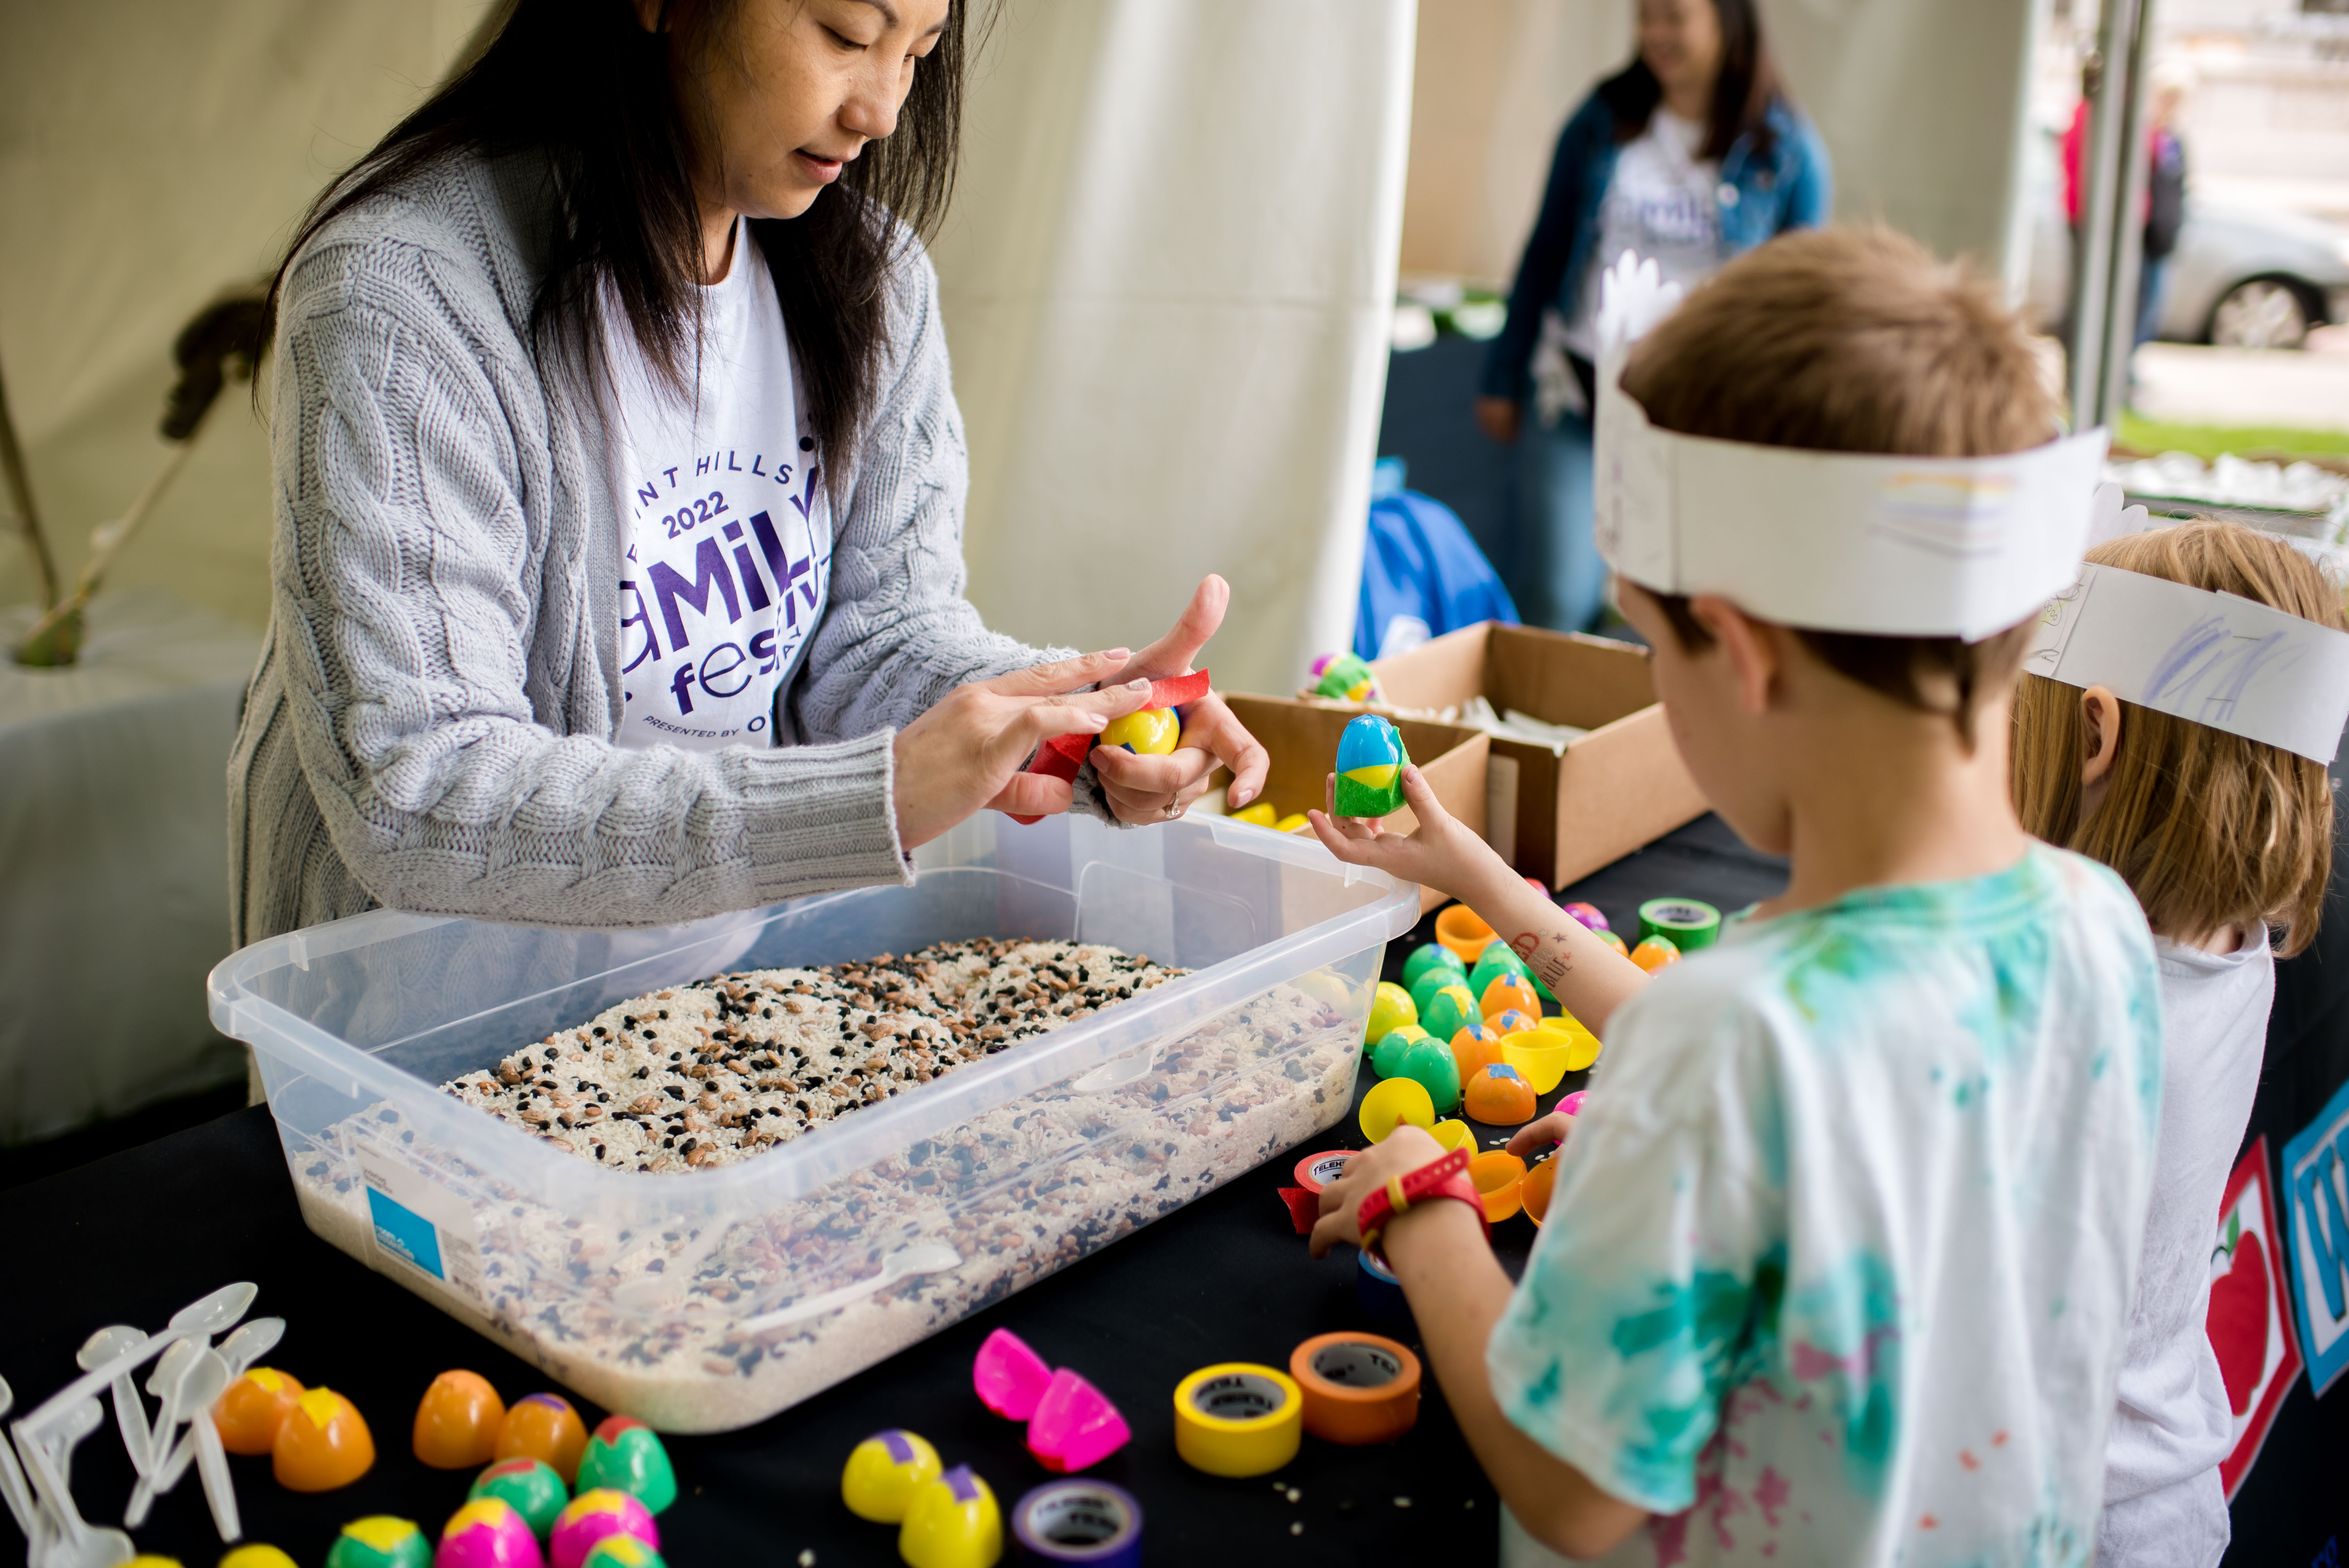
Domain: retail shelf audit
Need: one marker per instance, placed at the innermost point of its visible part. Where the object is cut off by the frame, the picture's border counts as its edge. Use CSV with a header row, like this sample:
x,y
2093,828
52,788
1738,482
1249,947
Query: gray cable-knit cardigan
x,y
431,725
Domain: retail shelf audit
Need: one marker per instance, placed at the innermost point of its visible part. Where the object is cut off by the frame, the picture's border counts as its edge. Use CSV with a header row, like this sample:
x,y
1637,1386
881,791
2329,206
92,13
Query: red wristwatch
x,y
1444,1178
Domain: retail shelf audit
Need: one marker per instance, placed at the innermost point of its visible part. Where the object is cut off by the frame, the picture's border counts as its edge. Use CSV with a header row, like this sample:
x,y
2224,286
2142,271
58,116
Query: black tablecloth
x,y
134,1237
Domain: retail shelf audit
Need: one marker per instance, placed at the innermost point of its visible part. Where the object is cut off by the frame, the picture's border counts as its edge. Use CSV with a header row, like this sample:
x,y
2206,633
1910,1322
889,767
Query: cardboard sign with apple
x,y
2249,1318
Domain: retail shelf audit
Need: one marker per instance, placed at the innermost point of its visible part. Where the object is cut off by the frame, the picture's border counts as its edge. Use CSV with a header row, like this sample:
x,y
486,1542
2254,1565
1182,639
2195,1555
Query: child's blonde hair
x,y
2208,830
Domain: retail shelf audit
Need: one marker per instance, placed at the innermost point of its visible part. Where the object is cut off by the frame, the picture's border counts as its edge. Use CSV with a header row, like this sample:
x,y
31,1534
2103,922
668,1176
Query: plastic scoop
x,y
1074,1425
1010,1377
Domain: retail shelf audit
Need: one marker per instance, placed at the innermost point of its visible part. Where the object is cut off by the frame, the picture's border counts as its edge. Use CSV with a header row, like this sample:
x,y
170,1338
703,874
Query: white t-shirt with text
x,y
1662,204
726,532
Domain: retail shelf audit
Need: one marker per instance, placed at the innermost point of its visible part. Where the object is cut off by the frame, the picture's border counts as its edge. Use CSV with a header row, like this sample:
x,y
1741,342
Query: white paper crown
x,y
1838,541
2215,659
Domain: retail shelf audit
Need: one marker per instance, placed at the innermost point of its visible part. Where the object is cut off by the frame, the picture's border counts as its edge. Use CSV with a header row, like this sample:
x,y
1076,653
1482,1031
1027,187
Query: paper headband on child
x,y
1835,541
2215,659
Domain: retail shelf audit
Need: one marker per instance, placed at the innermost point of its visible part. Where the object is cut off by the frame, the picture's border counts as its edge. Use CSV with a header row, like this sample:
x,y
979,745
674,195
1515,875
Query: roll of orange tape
x,y
1360,1389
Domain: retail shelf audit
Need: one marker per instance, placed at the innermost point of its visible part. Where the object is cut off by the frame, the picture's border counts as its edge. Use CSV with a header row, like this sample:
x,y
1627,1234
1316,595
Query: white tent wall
x,y
152,153
1921,104
1168,284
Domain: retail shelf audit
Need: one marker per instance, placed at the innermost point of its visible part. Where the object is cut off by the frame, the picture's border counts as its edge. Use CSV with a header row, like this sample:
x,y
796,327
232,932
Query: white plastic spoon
x,y
923,1258
165,1382
206,1315
117,1347
71,1542
13,1489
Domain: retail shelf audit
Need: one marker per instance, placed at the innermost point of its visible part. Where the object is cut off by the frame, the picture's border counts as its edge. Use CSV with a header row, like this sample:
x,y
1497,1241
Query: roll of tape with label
x,y
1687,924
1238,1418
1087,1521
1316,1171
1360,1389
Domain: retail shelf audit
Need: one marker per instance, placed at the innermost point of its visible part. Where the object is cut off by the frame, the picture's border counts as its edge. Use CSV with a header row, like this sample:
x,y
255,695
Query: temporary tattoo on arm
x,y
1546,954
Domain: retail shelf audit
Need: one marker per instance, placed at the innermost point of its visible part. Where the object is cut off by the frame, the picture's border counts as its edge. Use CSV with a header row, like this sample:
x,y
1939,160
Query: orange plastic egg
x,y
1498,1176
1655,952
1512,1022
543,1427
1534,1191
1499,1097
456,1422
322,1443
247,1416
1509,993
1474,1047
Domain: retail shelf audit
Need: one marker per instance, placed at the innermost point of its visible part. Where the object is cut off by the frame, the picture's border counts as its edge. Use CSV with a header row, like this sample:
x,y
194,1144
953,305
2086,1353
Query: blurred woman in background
x,y
1689,155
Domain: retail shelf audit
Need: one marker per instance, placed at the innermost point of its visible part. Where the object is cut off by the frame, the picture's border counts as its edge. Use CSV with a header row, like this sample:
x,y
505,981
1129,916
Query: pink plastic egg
x,y
487,1532
594,1515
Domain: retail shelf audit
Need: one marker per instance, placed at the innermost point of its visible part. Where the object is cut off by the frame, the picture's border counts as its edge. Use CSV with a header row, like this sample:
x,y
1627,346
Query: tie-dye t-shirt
x,y
1839,1261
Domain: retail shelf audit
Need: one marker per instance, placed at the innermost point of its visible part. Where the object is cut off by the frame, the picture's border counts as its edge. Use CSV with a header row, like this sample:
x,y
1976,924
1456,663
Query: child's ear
x,y
2100,711
1754,658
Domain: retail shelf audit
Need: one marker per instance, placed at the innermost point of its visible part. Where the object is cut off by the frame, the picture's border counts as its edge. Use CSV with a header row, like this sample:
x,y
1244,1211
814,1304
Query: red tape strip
x,y
1304,1208
1063,755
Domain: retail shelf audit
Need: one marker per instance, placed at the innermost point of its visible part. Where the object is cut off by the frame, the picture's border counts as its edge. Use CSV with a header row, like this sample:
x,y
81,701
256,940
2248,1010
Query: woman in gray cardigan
x,y
619,566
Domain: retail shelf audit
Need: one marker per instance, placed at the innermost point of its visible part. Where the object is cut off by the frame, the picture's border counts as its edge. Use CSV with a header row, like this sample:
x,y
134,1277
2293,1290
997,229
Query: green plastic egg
x,y
1430,1063
530,1487
1390,1010
380,1540
1434,955
1386,1057
626,1456
1452,1008
1494,960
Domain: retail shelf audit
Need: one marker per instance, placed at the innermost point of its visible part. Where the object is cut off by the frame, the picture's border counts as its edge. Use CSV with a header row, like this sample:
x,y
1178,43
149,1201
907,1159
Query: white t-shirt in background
x,y
2164,1505
1662,204
726,532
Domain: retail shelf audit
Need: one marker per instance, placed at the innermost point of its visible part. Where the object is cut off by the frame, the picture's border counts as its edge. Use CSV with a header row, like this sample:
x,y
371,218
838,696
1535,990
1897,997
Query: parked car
x,y
2242,276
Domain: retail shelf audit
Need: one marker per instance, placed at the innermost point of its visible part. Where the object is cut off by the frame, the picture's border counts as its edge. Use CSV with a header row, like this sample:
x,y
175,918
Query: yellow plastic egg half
x,y
1153,732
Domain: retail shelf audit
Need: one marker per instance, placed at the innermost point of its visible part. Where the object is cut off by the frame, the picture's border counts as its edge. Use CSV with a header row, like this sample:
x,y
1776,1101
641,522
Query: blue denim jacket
x,y
1792,188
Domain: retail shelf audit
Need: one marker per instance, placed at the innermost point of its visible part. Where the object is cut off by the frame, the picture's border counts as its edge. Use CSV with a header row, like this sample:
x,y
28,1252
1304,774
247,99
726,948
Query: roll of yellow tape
x,y
1238,1418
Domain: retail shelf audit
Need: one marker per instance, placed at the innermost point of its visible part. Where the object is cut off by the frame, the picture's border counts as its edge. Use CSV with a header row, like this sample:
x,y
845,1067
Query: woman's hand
x,y
1497,417
965,753
1158,788
1406,1149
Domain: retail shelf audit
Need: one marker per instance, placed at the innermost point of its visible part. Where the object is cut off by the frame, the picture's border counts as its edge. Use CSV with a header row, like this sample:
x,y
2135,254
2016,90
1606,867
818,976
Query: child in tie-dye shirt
x,y
1840,1255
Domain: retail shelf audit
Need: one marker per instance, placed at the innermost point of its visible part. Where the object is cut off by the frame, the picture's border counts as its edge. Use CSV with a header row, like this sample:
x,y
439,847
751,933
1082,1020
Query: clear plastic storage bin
x,y
707,1299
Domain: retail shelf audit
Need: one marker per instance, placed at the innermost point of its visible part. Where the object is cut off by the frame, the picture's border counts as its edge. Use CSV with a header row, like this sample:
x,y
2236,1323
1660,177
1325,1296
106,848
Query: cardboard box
x,y
1559,818
1303,740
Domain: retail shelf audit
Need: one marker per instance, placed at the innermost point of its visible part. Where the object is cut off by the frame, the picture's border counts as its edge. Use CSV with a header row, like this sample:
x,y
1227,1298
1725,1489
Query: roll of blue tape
x,y
1380,1294
1078,1521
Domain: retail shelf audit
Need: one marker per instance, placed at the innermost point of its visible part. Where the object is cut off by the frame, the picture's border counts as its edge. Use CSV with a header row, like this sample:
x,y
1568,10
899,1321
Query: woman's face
x,y
1681,42
789,91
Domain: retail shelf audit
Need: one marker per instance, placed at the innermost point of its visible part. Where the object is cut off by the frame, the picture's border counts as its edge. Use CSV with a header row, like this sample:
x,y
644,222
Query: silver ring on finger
x,y
1173,810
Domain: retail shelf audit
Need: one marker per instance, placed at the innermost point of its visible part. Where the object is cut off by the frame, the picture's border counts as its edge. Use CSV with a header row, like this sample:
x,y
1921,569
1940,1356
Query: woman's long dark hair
x,y
1741,96
582,81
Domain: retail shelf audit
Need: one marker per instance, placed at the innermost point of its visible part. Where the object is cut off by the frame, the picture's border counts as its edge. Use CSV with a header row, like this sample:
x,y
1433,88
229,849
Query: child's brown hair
x,y
1855,340
2208,830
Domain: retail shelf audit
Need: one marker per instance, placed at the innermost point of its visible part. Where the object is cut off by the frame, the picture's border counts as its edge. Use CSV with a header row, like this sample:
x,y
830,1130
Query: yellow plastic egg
x,y
884,1473
1390,1010
1294,823
953,1523
1259,815
1153,732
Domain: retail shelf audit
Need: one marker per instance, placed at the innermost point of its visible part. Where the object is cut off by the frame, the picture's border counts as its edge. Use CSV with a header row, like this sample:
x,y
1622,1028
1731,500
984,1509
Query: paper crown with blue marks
x,y
1835,541
2214,659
